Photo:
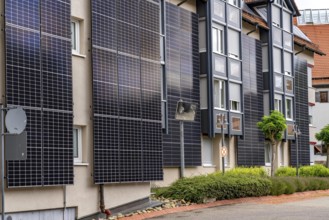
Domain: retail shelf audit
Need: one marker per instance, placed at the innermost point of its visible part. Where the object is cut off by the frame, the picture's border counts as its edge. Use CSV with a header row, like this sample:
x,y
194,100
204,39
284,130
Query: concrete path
x,y
306,205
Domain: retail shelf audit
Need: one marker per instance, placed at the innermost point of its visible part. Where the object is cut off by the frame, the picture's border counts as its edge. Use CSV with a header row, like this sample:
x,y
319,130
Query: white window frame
x,y
218,40
269,151
281,148
77,129
238,106
221,102
279,105
291,109
209,161
76,38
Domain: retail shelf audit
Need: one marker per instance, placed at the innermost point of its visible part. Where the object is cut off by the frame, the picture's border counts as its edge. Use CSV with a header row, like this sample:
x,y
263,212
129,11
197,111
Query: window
x,y
219,94
236,124
286,21
278,104
277,36
75,36
234,16
287,63
310,119
278,82
282,154
233,44
323,96
268,154
289,85
77,144
219,9
233,2
289,109
287,38
277,59
235,68
207,147
234,105
290,130
276,16
217,38
220,64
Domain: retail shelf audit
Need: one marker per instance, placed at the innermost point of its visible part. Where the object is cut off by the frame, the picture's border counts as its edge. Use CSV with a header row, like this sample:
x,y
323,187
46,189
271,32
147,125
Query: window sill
x,y
78,55
81,164
208,166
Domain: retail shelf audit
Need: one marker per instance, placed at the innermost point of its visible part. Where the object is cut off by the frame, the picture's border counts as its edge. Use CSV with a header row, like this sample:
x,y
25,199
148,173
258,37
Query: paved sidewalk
x,y
258,200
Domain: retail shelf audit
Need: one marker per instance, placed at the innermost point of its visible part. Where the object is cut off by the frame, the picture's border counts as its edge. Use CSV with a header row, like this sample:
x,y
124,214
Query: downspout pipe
x,y
107,212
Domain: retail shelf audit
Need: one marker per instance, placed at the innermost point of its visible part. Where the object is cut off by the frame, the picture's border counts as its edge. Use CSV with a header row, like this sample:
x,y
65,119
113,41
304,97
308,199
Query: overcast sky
x,y
312,4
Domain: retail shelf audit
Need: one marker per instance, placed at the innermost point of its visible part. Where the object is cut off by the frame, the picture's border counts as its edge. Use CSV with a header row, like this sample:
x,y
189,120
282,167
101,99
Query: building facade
x,y
314,23
113,72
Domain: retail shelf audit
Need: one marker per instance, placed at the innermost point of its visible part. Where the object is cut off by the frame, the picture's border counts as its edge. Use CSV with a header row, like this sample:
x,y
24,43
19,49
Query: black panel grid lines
x,y
182,78
302,108
38,77
126,91
250,151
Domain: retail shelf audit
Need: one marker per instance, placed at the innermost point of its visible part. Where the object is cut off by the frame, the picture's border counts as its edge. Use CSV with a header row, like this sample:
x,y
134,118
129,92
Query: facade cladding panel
x,y
250,150
38,77
301,96
126,91
182,75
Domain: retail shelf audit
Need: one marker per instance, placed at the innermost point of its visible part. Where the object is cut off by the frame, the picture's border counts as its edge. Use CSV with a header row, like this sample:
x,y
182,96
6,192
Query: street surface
x,y
312,209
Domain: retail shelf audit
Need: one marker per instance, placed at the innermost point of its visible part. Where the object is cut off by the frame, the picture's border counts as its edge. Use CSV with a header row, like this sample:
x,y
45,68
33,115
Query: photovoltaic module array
x,y
182,75
126,91
250,150
38,77
302,120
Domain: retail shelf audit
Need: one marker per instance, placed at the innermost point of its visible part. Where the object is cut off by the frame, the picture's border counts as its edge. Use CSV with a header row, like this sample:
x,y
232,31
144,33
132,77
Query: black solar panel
x,y
38,77
301,99
126,91
182,66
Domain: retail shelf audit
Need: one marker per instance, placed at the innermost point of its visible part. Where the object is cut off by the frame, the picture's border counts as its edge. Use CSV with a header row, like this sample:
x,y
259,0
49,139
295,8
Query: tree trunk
x,y
274,164
327,163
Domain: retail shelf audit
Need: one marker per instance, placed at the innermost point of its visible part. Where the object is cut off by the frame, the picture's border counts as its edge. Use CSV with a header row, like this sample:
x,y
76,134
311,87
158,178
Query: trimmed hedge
x,y
247,171
242,182
315,170
285,171
307,171
290,185
196,189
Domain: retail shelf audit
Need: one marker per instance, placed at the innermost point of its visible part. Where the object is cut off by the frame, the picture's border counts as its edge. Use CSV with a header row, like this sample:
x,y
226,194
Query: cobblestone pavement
x,y
305,205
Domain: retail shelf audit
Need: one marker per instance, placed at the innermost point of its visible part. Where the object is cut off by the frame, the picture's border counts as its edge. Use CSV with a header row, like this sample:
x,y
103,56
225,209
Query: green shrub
x,y
285,171
247,171
289,185
315,170
196,189
237,185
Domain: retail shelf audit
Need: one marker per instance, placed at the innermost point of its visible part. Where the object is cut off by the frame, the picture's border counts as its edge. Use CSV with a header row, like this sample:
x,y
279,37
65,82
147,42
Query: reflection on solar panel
x,y
126,91
38,77
182,66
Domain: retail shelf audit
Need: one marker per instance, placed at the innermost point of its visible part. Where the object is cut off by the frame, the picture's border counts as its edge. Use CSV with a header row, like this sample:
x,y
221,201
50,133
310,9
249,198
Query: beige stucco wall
x,y
305,54
172,174
246,28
